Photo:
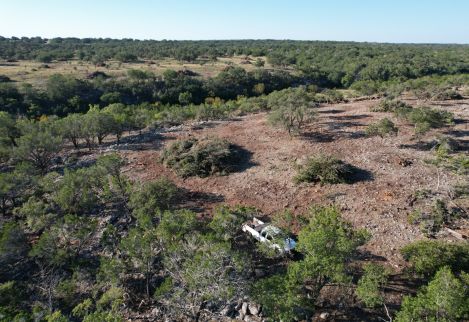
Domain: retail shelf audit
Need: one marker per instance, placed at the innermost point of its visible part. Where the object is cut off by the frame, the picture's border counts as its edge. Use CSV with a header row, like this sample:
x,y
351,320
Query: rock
x,y
324,315
244,308
254,308
240,316
155,311
226,310
252,318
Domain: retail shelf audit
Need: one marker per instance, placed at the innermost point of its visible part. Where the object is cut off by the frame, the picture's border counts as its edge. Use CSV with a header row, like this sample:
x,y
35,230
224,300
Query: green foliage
x,y
287,220
259,62
79,190
63,242
39,145
106,316
390,105
227,222
141,247
13,249
426,118
56,316
444,299
200,157
428,256
447,94
37,213
8,129
118,186
325,170
328,243
175,225
153,197
280,301
202,270
370,284
113,298
384,127
291,110
432,221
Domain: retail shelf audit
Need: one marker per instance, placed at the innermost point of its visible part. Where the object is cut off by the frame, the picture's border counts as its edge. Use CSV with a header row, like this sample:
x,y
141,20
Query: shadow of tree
x,y
242,160
197,201
359,175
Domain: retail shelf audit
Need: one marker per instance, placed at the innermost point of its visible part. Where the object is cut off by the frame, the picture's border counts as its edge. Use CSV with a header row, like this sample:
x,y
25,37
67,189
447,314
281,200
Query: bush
x,y
431,222
153,197
447,94
201,157
382,128
425,118
325,169
428,256
388,105
291,110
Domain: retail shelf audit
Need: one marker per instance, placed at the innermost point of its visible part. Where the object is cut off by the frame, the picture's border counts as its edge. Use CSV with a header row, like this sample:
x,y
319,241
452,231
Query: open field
x,y
37,73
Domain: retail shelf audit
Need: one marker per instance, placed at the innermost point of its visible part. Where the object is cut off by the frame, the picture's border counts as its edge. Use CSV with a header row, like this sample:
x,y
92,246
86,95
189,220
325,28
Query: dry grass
x,y
34,72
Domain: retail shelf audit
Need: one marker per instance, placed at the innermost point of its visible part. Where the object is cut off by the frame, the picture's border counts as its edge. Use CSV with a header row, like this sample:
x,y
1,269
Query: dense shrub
x,y
201,157
325,169
153,197
428,256
445,298
388,105
382,128
447,94
425,118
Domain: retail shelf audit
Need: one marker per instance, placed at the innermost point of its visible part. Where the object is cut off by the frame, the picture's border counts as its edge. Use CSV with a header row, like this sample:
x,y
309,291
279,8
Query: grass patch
x,y
201,157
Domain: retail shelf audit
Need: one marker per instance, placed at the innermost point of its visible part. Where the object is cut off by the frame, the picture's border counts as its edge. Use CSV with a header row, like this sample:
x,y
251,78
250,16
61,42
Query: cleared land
x,y
392,169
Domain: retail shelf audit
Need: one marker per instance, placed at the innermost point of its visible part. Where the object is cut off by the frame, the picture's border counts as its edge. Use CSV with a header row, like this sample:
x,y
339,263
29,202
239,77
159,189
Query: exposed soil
x,y
380,199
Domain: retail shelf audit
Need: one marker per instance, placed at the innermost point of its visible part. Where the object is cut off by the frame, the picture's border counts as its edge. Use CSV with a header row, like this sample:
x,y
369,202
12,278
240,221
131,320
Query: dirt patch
x,y
379,203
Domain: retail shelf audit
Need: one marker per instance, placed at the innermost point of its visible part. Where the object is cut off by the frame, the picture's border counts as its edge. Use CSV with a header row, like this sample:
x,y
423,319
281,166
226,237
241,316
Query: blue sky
x,y
442,21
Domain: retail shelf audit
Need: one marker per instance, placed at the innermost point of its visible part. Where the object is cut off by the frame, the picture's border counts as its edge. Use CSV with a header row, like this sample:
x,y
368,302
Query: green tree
x,y
426,257
328,244
8,128
227,222
204,275
369,287
13,250
71,128
79,191
153,197
280,299
98,124
446,298
121,119
39,147
292,110
141,247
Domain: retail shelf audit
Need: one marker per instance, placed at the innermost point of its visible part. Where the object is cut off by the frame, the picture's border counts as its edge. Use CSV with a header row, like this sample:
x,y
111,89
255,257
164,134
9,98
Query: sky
x,y
410,21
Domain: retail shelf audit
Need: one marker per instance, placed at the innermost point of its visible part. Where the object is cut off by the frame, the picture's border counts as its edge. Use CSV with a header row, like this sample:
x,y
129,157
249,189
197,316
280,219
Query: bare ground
x,y
381,199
